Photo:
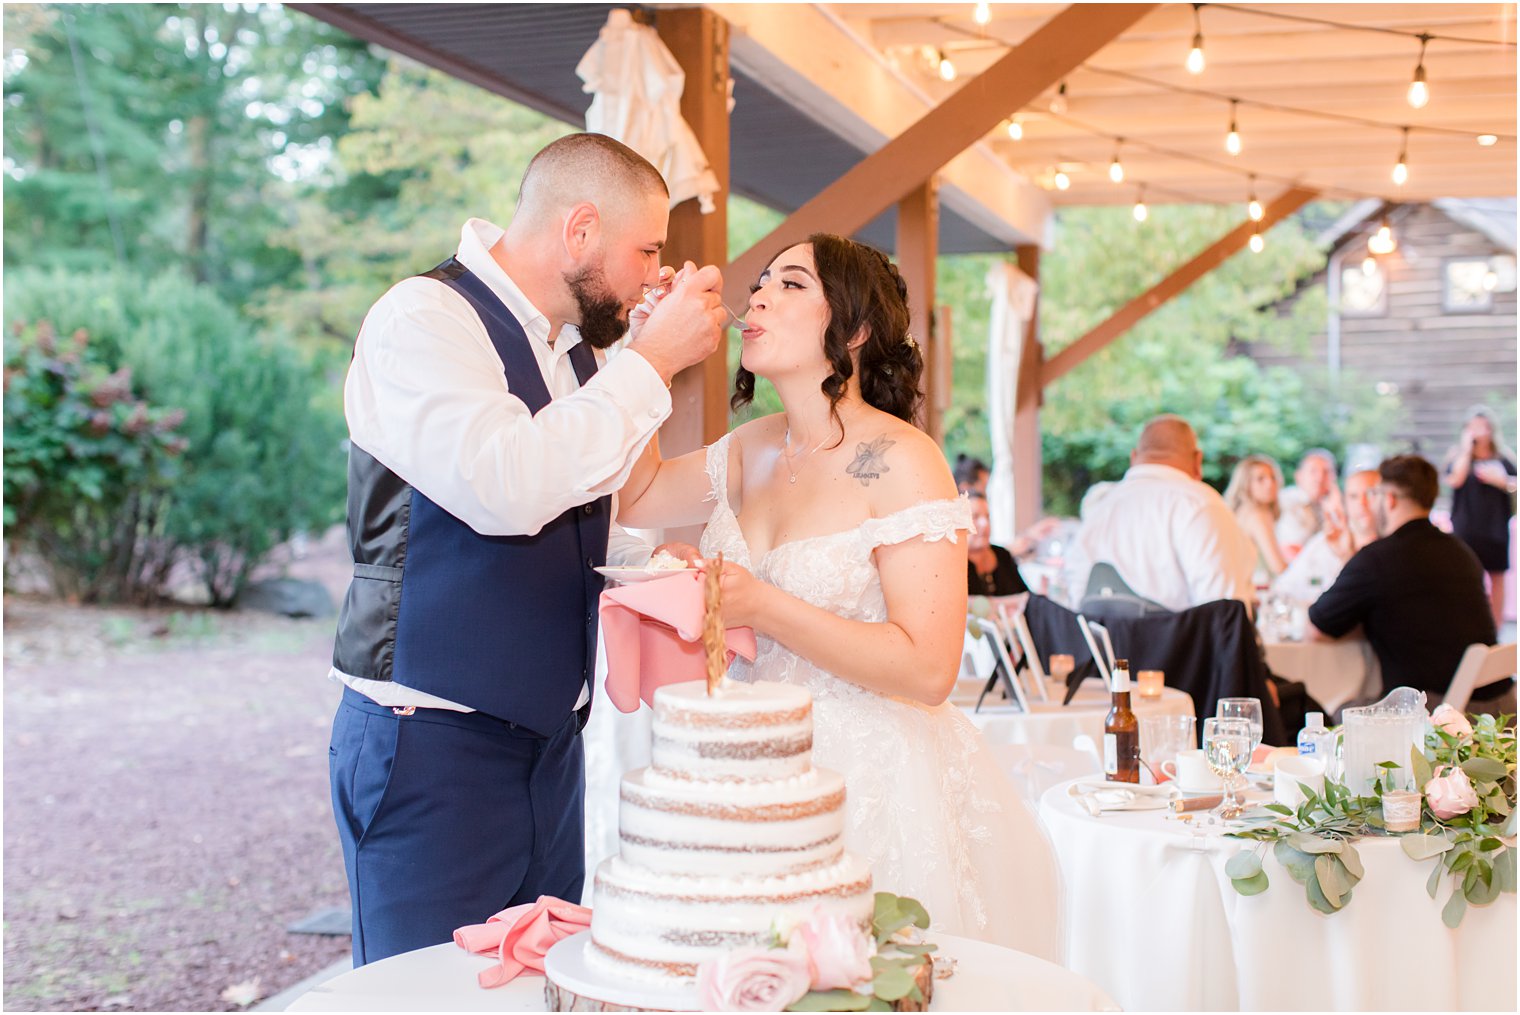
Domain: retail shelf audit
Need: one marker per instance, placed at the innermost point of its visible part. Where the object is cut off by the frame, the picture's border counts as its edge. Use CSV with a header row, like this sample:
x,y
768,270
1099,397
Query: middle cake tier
x,y
760,829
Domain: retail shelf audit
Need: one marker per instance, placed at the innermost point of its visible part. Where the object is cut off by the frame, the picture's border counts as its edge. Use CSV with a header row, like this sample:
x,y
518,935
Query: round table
x,y
1151,917
443,978
1054,724
1336,673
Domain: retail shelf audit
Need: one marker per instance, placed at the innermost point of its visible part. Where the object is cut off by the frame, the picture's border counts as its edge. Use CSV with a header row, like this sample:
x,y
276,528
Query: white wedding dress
x,y
926,803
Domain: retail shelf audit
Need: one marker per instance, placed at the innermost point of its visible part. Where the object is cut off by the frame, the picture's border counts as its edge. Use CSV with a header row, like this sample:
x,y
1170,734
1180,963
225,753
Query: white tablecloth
x,y
1055,724
1335,672
1151,918
442,978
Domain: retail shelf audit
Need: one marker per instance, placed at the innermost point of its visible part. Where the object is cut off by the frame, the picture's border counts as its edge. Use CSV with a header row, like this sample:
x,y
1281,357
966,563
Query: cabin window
x,y
1364,289
1467,285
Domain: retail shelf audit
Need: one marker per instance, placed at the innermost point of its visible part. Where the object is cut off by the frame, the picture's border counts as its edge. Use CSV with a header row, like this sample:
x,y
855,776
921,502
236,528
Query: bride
x,y
840,531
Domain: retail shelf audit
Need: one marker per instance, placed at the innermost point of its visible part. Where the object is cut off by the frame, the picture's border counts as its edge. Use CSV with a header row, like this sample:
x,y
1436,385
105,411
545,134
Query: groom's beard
x,y
604,318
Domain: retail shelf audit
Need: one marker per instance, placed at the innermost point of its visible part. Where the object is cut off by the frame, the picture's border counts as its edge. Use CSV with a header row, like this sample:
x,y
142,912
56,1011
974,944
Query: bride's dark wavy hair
x,y
864,290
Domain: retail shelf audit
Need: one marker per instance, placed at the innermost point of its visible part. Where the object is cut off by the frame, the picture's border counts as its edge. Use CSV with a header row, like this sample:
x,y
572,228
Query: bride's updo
x,y
864,291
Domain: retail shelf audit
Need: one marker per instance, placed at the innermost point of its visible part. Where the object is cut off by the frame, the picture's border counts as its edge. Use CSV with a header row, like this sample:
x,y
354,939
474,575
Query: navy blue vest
x,y
503,624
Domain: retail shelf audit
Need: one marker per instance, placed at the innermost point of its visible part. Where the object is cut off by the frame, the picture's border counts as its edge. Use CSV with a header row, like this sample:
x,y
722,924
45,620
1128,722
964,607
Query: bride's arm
x,y
915,653
661,493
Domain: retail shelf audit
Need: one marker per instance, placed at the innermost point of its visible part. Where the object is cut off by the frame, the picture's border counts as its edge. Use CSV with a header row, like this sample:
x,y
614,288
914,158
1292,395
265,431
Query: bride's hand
x,y
743,593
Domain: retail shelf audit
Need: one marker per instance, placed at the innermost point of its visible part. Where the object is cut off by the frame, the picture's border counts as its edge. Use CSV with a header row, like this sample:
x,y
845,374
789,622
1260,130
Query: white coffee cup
x,y
1190,770
1291,773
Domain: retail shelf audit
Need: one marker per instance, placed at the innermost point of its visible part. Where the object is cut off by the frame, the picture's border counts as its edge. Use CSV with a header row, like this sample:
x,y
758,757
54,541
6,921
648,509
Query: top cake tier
x,y
743,733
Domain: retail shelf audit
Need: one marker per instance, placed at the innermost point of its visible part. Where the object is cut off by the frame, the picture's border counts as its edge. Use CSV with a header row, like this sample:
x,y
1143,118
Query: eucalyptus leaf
x,y
1296,862
1483,891
1451,913
1509,823
1314,844
1484,768
1253,885
1462,862
1245,864
877,1004
1352,861
1423,847
1332,879
1317,897
891,982
923,949
831,1000
1278,808
1421,767
1434,882
1504,870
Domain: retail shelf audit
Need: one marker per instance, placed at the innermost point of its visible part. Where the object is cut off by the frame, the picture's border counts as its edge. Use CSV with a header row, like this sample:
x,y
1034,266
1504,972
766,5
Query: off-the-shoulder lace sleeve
x,y
931,519
717,470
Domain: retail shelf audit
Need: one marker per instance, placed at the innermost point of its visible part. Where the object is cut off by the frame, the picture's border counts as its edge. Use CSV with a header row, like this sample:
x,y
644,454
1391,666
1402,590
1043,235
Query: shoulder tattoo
x,y
870,460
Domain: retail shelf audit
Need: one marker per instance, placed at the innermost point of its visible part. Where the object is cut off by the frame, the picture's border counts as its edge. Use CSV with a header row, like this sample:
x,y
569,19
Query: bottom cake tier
x,y
654,927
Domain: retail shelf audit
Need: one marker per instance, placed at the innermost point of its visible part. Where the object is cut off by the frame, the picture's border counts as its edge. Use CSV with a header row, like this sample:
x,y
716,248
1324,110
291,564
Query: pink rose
x,y
753,979
1450,795
839,951
1449,720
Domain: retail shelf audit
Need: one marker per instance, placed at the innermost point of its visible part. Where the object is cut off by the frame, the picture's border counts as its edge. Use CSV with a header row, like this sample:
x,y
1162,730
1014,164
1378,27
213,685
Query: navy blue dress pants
x,y
447,817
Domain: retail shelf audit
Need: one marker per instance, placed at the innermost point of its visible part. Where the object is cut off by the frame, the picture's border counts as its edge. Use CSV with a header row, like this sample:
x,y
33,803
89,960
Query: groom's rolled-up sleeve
x,y
427,397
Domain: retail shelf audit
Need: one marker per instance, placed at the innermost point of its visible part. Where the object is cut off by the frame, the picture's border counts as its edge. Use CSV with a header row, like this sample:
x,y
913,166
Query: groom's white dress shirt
x,y
1171,537
423,354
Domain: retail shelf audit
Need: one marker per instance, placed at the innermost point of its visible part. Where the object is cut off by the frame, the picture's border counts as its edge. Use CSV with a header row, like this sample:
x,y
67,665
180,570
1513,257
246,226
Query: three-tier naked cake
x,y
729,830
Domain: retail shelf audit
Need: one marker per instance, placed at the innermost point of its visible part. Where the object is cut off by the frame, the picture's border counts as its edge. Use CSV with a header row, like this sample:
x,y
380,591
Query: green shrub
x,y
87,468
262,424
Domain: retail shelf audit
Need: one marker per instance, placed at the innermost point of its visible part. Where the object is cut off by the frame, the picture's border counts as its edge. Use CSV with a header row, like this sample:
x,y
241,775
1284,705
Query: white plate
x,y
631,575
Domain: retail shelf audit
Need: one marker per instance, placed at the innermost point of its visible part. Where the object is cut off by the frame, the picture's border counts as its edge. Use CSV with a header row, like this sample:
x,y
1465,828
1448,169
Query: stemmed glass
x,y
1248,709
1227,749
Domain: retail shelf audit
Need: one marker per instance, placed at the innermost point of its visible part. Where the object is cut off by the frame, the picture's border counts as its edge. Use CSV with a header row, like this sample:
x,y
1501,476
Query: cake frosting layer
x,y
654,926
743,733
753,829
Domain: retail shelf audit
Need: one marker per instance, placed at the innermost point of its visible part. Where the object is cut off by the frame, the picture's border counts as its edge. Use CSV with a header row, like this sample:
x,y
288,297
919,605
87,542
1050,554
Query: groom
x,y
487,437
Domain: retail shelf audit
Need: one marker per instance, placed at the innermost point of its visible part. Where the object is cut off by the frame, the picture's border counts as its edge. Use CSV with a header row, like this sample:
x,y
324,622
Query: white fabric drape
x,y
636,87
1013,302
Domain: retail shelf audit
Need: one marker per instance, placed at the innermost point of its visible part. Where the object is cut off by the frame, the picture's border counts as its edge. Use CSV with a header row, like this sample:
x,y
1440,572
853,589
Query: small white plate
x,y
632,575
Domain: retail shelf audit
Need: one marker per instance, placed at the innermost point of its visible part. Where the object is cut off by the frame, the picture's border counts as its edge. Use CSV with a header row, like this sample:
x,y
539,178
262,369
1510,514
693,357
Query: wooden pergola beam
x,y
1127,316
910,158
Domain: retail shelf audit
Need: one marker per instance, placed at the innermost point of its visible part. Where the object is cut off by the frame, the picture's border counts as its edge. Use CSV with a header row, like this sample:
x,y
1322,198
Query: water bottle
x,y
1314,740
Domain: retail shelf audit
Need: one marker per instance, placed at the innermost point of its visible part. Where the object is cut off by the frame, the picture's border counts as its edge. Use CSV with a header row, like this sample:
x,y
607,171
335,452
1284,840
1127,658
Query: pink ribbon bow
x,y
521,936
653,632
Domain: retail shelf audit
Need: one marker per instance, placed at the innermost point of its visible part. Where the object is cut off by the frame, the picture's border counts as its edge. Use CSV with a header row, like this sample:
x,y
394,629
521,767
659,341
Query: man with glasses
x,y
1417,593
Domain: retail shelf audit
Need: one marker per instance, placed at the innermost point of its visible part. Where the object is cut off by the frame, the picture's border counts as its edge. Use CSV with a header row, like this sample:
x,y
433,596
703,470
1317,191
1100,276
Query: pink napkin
x,y
520,936
654,637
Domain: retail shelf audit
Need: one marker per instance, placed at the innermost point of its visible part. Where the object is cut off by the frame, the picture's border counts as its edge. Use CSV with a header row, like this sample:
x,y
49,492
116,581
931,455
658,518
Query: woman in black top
x,y
990,570
1481,475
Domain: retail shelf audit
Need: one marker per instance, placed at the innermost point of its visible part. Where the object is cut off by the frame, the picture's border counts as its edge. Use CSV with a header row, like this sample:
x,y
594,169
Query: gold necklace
x,y
786,454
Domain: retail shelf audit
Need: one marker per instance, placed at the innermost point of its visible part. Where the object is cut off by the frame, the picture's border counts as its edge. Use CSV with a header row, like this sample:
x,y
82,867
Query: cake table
x,y
443,978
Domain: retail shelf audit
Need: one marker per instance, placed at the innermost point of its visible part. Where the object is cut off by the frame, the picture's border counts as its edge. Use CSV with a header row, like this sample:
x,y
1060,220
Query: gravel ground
x,y
166,809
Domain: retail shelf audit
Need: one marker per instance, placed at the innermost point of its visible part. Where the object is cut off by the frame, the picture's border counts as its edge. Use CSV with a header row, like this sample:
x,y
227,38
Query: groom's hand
x,y
686,325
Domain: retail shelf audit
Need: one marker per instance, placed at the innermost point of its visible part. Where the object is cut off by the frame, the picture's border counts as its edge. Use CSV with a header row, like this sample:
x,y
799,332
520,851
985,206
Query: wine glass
x,y
1227,749
1248,709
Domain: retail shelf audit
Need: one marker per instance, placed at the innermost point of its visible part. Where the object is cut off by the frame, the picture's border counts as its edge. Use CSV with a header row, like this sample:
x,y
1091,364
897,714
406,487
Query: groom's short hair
x,y
586,167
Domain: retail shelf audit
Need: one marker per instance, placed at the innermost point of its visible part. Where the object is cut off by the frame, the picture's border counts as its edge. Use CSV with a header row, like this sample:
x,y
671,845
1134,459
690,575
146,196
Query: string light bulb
x,y
1116,168
1141,212
1488,140
1382,241
1369,266
1401,167
1063,182
1419,91
1257,244
1194,61
1253,206
946,68
1058,103
983,12
1232,139
1015,129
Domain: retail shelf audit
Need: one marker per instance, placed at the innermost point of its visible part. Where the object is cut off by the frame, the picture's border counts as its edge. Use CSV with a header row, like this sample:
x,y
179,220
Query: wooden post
x,y
917,253
698,39
1028,459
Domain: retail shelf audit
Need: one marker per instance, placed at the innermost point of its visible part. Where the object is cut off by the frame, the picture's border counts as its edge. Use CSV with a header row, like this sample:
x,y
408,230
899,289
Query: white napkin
x,y
1099,796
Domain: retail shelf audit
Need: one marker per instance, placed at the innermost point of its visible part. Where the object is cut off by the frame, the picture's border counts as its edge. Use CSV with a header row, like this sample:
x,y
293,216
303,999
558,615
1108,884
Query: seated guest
x,y
1345,532
1170,535
1417,593
971,473
990,570
1303,503
1252,495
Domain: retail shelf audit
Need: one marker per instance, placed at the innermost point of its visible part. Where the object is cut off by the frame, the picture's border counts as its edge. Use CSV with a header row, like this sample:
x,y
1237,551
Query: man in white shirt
x,y
1303,504
1170,536
1319,563
488,433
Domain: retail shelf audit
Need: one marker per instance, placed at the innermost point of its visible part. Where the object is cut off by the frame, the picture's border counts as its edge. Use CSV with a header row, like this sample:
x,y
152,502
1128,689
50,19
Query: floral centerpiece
x,y
1466,770
827,962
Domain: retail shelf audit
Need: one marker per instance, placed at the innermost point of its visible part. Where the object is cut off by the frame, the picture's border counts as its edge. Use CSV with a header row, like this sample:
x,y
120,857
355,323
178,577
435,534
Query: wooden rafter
x,y
1148,302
